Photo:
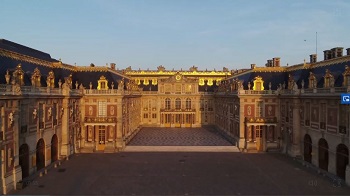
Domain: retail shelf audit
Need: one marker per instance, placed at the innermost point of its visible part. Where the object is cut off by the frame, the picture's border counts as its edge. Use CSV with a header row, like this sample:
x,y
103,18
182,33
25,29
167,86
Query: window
x,y
323,116
307,114
342,119
167,103
102,108
103,85
210,105
178,103
145,115
188,103
54,114
202,105
259,109
154,115
41,116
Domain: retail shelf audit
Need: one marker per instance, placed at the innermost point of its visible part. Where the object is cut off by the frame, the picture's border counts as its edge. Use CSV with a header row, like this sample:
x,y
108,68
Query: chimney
x,y
337,52
276,62
327,54
313,58
348,51
252,66
269,63
112,65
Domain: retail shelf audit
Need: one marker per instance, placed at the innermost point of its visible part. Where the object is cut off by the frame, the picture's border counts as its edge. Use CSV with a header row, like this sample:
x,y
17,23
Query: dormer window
x,y
312,81
258,84
328,80
102,83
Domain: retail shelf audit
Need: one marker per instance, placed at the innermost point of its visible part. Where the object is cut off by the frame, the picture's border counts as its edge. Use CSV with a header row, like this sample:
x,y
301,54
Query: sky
x,y
177,34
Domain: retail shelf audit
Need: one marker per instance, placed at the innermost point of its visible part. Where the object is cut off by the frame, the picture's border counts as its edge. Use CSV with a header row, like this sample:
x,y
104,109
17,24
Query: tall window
x,y
167,104
259,109
202,105
102,108
178,103
323,116
188,103
41,116
307,114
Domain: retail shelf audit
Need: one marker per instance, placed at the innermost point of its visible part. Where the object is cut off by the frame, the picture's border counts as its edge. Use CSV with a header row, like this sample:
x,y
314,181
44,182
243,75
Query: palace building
x,y
51,110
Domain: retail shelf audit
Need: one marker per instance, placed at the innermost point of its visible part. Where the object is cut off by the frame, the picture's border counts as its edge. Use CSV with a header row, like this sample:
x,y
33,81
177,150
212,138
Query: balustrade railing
x,y
101,119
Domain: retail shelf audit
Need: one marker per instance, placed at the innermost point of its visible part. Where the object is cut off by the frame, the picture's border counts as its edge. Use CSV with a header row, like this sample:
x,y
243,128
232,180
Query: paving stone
x,y
157,136
182,173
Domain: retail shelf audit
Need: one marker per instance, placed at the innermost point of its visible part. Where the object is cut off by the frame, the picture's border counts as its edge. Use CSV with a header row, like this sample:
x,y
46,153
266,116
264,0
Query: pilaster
x,y
120,144
296,147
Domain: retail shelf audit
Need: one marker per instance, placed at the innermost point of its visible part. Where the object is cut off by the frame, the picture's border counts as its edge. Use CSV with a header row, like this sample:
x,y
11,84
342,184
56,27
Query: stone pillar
x,y
264,138
347,175
120,144
158,111
65,147
296,147
241,141
17,171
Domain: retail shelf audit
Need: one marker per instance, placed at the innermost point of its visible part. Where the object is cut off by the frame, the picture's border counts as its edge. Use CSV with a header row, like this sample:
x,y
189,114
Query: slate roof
x,y
86,77
276,78
14,47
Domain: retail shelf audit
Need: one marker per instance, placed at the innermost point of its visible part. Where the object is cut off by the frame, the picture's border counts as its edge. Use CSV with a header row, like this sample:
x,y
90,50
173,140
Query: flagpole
x,y
316,43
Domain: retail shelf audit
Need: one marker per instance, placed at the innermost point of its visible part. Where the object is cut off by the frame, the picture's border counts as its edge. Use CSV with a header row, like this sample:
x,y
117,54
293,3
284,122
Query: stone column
x,y
158,111
65,147
120,144
264,138
296,147
17,171
241,140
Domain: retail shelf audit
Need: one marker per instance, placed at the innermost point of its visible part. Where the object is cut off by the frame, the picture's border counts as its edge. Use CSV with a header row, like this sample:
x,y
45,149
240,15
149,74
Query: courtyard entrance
x,y
177,119
101,138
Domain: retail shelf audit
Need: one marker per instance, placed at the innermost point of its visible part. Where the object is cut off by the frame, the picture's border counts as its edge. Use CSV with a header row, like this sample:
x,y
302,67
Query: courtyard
x,y
182,173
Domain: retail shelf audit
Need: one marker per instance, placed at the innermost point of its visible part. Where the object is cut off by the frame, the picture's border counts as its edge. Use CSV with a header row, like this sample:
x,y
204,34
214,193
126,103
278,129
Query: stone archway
x,y
307,148
40,154
342,160
54,148
323,158
24,160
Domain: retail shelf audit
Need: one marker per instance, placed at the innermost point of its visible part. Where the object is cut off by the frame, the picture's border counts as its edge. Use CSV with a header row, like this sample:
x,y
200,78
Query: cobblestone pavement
x,y
155,136
180,173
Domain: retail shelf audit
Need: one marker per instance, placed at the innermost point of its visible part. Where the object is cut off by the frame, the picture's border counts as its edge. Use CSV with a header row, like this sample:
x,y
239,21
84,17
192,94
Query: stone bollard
x,y
41,174
45,171
55,165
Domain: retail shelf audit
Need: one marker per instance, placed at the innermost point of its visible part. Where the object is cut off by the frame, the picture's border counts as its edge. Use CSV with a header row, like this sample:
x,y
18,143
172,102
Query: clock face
x,y
178,77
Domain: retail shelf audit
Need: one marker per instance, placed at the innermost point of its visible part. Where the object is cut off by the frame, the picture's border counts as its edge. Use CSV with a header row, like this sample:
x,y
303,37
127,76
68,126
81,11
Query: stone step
x,y
86,150
181,149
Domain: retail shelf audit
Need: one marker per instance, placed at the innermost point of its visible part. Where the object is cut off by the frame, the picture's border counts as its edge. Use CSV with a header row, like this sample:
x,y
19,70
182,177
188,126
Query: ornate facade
x,y
50,110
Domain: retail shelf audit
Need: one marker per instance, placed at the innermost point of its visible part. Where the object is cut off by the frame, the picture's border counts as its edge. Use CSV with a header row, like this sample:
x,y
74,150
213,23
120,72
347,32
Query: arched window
x,y
188,104
178,103
167,104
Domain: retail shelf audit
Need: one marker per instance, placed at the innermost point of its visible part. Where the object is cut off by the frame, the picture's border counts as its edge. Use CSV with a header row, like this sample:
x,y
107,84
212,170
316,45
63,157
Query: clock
x,y
178,77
